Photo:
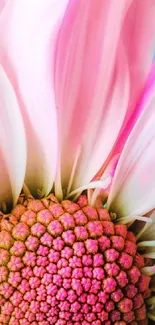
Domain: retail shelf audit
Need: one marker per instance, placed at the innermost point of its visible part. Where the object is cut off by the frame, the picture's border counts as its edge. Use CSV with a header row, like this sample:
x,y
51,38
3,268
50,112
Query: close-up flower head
x,y
77,162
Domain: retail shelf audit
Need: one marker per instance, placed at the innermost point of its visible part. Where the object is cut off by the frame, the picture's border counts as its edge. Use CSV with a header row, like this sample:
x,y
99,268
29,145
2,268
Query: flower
x,y
76,111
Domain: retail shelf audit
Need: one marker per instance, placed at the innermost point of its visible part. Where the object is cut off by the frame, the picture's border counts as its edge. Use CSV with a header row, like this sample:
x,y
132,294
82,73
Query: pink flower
x,y
74,86
77,113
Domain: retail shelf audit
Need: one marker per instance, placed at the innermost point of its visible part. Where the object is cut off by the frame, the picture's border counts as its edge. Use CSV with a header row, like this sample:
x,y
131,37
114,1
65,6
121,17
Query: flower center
x,y
68,263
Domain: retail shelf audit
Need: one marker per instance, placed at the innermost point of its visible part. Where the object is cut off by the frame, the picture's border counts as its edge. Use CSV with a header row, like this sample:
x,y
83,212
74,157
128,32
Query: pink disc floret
x,y
68,264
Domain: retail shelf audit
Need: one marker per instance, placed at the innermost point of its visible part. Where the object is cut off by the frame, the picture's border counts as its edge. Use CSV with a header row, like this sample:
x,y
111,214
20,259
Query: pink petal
x,y
2,4
88,80
139,41
133,189
12,143
111,121
27,31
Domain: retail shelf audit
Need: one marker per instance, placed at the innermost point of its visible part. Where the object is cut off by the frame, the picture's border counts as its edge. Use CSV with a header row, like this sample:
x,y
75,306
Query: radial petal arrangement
x,y
77,157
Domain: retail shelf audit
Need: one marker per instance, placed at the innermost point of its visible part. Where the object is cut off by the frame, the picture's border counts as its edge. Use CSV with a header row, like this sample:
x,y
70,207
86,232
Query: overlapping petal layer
x,y
27,32
91,84
138,38
133,190
96,80
146,237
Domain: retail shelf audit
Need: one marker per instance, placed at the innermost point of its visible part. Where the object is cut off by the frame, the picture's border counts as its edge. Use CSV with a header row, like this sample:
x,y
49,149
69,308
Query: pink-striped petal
x,y
12,144
133,190
139,41
88,81
27,32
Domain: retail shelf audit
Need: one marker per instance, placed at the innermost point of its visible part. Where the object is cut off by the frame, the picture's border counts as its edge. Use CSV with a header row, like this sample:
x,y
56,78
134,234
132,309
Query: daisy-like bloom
x,y
77,158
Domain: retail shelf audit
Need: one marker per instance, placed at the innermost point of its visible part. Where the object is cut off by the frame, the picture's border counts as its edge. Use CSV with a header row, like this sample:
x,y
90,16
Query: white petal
x,y
12,143
107,177
27,31
147,233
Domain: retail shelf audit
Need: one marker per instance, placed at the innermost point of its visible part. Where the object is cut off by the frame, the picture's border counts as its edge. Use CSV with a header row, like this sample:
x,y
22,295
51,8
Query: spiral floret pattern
x,y
67,263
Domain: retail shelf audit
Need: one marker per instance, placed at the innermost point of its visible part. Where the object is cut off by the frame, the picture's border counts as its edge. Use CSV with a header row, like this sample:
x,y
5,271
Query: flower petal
x,y
133,190
139,41
12,144
106,132
2,4
27,31
147,232
85,69
101,194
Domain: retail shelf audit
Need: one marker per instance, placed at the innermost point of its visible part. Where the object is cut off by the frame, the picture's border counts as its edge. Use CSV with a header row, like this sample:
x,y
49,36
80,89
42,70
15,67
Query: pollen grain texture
x,y
68,263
